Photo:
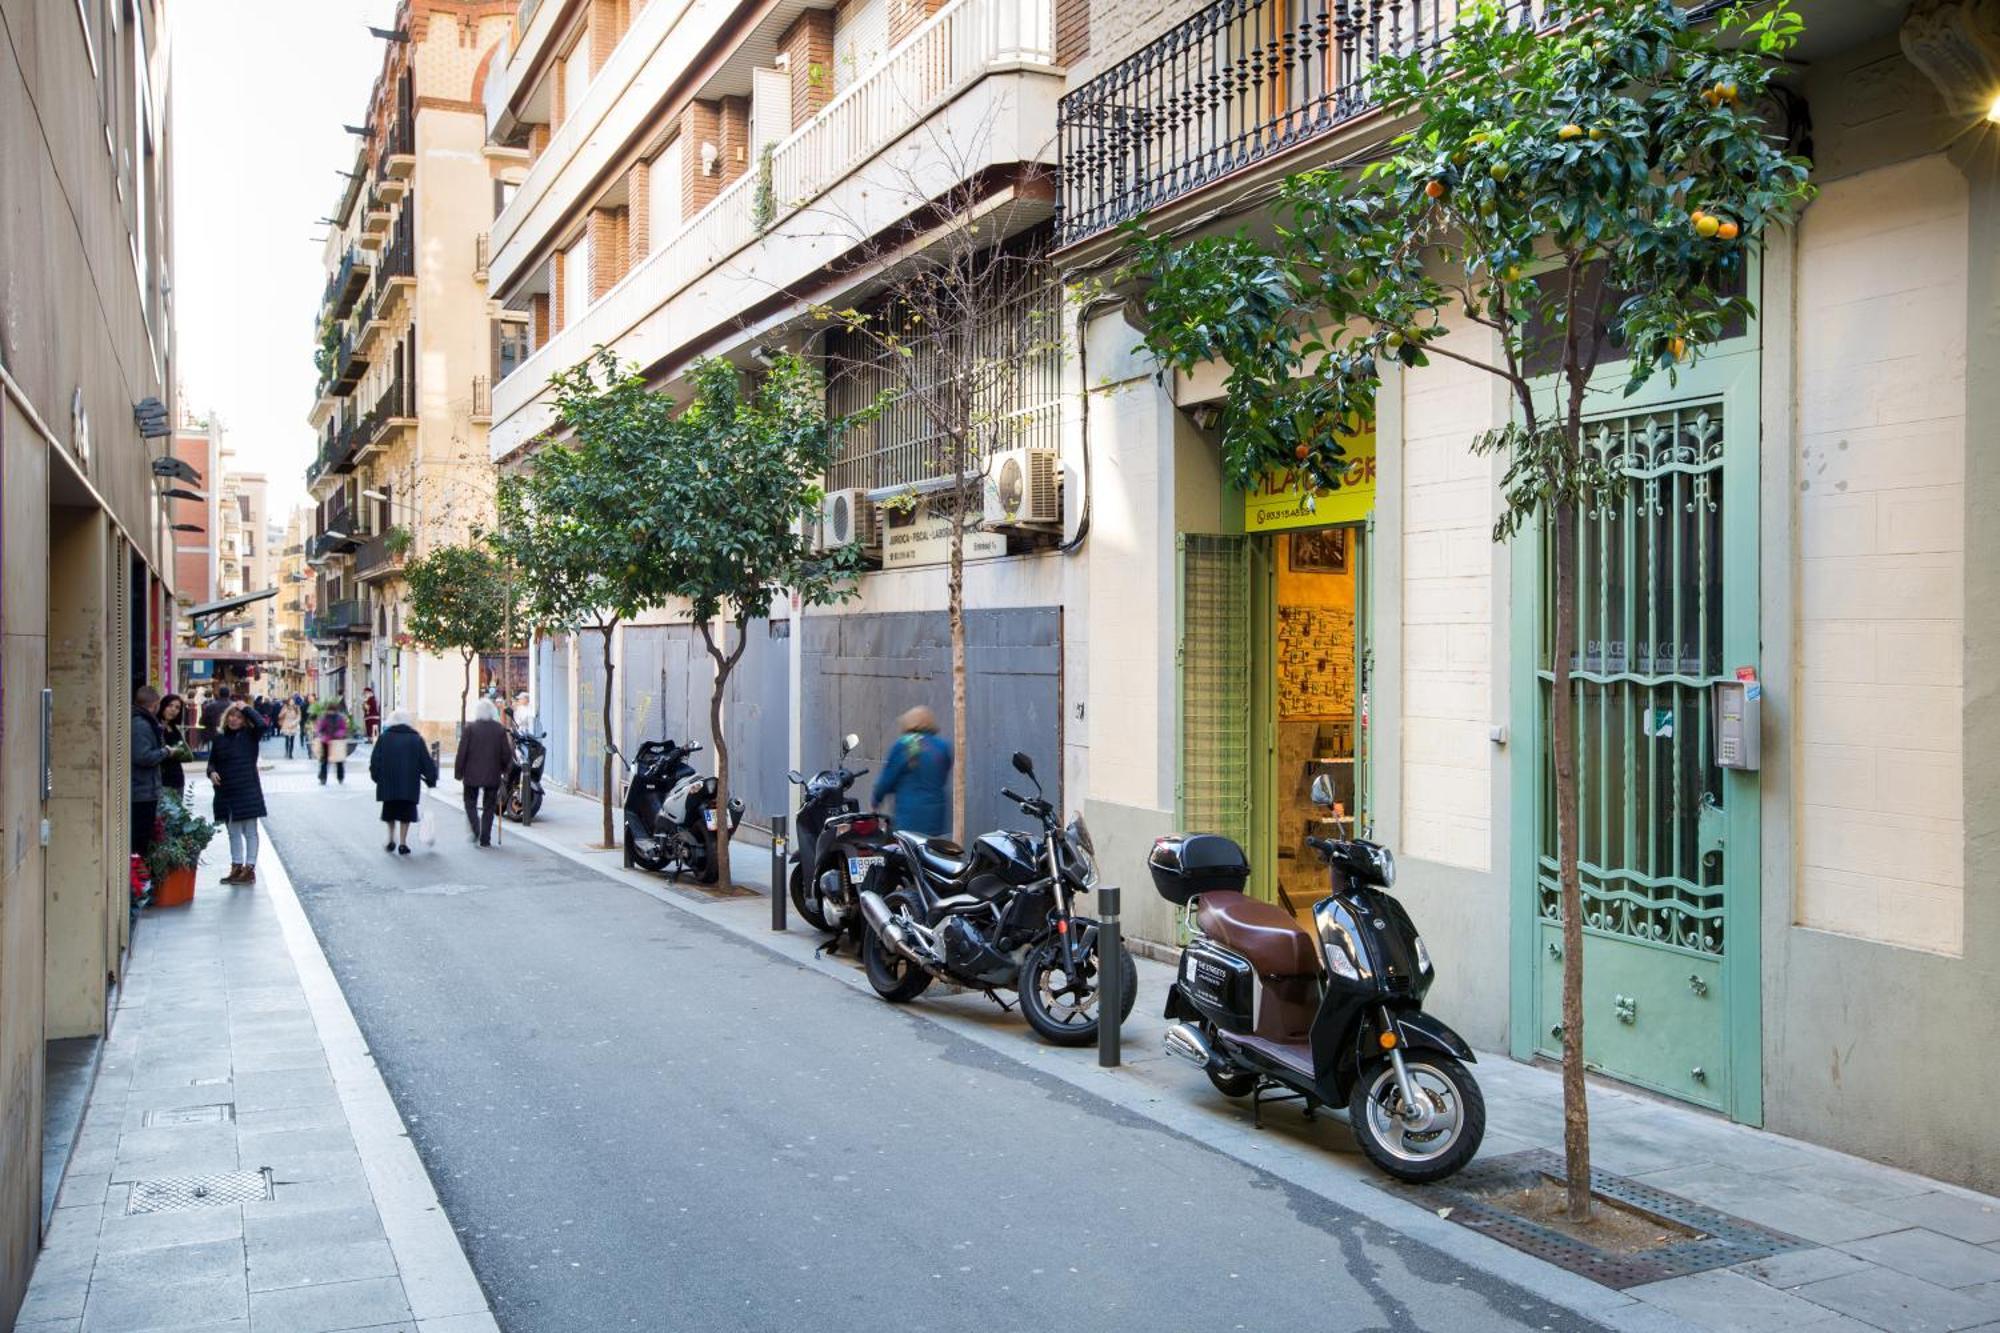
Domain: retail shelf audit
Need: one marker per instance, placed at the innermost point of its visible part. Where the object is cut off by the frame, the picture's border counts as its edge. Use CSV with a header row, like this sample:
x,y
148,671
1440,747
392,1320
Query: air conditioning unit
x,y
849,518
1024,489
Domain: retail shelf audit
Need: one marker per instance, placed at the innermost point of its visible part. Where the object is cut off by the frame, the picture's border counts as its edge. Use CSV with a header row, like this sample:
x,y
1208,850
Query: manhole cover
x,y
1717,1240
190,1115
179,1192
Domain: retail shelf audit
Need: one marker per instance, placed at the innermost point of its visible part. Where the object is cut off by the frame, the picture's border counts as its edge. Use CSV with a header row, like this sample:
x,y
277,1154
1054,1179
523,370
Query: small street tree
x,y
580,528
964,326
1598,182
458,600
741,474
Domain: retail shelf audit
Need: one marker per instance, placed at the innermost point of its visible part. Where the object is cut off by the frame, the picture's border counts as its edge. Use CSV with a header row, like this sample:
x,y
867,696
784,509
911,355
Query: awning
x,y
225,655
228,604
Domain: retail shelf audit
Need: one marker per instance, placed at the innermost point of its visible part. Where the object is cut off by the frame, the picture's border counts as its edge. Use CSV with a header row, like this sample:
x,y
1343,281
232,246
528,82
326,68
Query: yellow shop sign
x,y
1282,501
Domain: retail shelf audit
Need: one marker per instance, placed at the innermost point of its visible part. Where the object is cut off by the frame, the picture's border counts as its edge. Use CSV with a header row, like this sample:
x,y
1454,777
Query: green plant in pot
x,y
183,836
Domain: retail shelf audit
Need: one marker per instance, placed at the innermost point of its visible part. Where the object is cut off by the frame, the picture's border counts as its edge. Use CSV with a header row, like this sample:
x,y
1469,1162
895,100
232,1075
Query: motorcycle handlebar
x,y
1013,796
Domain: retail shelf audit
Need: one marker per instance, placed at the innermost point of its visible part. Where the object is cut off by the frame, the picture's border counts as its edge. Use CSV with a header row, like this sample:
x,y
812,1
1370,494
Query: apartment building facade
x,y
406,355
86,606
296,663
1823,465
701,176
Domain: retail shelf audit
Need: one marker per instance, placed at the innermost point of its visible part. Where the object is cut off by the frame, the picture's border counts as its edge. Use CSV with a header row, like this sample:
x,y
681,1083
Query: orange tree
x,y
1619,149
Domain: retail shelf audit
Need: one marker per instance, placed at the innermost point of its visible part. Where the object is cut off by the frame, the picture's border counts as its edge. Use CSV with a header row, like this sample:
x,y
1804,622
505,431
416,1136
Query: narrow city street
x,y
635,1120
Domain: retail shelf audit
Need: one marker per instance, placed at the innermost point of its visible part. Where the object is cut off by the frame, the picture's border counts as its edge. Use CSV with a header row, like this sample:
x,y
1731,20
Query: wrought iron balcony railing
x,y
1239,82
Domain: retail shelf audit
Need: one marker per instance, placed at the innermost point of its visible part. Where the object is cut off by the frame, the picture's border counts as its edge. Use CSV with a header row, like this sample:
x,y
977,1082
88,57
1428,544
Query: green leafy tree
x,y
582,528
1557,192
741,479
459,602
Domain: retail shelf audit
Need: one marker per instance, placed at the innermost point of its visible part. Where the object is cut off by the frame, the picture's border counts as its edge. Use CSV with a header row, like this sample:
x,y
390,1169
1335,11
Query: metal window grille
x,y
1012,381
1215,685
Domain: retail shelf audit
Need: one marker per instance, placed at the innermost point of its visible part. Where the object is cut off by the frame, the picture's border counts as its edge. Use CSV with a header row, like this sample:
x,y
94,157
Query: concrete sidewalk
x,y
1881,1248
234,1064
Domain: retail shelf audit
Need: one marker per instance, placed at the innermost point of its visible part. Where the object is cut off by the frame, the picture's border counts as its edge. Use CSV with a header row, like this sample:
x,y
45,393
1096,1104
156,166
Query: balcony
x,y
981,71
396,274
381,556
348,617
399,147
348,367
1233,86
347,282
392,412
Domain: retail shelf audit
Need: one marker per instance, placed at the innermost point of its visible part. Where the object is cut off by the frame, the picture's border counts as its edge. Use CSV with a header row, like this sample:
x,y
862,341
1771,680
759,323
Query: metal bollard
x,y
1110,979
777,872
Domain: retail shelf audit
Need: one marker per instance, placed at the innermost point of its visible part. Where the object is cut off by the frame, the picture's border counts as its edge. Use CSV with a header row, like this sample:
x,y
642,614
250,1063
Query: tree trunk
x,y
955,610
464,689
1562,739
610,671
724,664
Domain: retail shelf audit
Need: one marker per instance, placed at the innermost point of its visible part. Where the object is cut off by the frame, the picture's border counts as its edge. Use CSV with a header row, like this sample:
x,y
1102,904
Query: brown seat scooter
x,y
1331,1017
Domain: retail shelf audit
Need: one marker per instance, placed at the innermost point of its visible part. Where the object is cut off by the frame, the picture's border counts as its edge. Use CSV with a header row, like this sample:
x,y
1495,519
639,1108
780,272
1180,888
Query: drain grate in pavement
x,y
206,1082
175,1193
1718,1240
215,1113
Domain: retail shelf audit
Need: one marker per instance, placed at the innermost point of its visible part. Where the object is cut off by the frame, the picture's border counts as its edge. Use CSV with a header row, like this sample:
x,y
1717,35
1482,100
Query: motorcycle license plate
x,y
859,866
708,818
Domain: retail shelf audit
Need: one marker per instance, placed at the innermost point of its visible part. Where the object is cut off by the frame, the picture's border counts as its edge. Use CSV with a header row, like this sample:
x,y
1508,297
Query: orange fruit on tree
x,y
1568,132
1678,346
1728,231
1435,189
1302,453
1706,225
1725,92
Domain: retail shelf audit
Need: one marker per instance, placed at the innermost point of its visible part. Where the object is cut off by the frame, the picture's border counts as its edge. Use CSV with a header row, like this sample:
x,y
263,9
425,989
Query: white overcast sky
x,y
260,90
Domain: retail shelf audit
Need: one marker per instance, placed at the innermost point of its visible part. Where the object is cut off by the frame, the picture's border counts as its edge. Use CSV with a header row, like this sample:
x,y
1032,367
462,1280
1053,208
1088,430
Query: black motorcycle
x,y
996,918
1333,1019
524,779
835,846
670,820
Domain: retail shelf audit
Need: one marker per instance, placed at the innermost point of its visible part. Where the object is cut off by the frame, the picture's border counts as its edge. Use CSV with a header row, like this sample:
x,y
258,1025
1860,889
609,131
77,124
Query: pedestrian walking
x,y
371,713
172,718
290,722
917,775
332,733
210,717
239,792
402,766
149,751
485,753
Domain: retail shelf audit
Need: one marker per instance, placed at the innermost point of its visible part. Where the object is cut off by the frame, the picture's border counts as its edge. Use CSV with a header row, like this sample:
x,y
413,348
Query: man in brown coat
x,y
485,753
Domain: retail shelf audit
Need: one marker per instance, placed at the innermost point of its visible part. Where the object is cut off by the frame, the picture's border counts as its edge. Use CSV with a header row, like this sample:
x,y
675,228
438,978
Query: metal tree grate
x,y
1719,1240
214,1113
179,1192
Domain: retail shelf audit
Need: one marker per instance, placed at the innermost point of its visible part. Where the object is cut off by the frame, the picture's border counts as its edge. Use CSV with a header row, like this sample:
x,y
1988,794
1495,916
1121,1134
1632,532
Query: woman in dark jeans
x,y
173,718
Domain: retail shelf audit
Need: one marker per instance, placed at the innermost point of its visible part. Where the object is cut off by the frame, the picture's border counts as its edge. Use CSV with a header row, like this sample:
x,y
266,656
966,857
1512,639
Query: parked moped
x,y
1333,1016
836,846
670,817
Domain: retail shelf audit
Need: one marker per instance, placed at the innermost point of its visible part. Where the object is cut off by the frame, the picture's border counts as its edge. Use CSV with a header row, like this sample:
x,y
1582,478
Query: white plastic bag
x,y
427,828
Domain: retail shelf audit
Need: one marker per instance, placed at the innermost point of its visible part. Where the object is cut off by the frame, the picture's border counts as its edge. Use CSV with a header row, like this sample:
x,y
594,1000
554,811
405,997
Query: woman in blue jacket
x,y
918,775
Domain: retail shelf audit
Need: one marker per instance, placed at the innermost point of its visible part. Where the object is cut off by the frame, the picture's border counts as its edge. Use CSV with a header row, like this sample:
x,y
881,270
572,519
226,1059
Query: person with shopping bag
x,y
332,732
402,767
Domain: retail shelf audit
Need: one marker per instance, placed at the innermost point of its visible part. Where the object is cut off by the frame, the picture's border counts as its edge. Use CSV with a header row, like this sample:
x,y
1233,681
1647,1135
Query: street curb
x,y
437,1278
1559,1287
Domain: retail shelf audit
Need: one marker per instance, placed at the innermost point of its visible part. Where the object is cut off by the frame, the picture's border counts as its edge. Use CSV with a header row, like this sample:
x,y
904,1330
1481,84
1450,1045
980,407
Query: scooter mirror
x,y
848,744
1023,764
1322,791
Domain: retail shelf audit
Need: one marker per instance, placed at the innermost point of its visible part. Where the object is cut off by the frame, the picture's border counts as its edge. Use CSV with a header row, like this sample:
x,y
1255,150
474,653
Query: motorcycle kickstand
x,y
1005,1007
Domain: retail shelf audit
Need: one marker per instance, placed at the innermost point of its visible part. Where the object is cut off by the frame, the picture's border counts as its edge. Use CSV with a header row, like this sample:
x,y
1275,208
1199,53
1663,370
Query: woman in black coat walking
x,y
239,793
173,720
402,767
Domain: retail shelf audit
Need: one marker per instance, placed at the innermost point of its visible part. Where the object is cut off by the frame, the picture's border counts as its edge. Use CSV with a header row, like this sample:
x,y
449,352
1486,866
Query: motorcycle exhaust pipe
x,y
875,911
1187,1042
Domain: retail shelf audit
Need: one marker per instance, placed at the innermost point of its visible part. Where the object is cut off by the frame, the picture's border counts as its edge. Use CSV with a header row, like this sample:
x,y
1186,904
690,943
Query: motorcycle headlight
x,y
1082,858
1423,956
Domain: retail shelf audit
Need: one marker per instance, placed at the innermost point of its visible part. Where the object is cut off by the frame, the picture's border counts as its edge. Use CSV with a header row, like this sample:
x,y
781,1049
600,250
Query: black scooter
x,y
524,779
1334,1018
670,821
836,846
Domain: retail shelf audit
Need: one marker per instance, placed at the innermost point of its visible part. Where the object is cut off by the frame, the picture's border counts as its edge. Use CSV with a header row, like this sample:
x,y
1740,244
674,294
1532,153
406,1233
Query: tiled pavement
x,y
1884,1249
230,1017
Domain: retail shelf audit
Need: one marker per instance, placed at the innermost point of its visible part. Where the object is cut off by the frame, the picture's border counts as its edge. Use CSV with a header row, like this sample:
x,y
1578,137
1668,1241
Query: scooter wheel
x,y
636,855
807,904
1233,1082
1418,1155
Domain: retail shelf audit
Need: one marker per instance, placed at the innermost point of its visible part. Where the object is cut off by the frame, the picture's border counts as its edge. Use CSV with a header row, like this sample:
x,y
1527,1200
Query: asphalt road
x,y
638,1121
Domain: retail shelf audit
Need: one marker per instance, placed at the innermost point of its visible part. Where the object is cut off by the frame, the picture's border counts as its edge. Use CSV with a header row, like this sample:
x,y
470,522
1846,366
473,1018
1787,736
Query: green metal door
x,y
1667,606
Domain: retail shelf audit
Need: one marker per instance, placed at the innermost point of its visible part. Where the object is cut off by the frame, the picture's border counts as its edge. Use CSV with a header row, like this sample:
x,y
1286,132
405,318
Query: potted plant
x,y
183,836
